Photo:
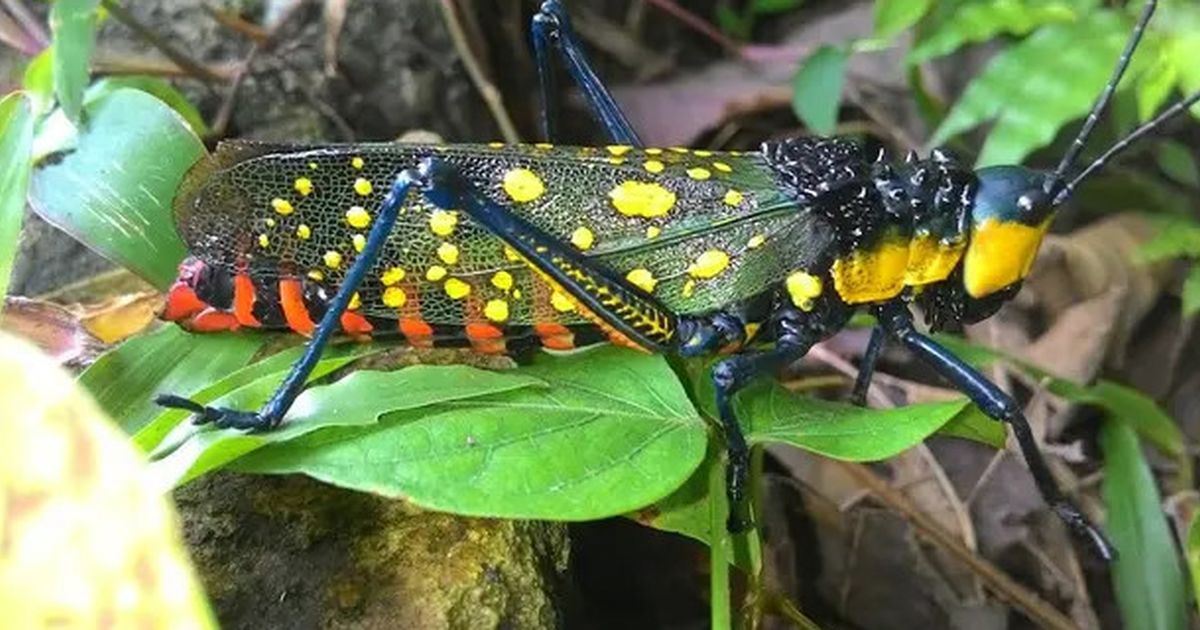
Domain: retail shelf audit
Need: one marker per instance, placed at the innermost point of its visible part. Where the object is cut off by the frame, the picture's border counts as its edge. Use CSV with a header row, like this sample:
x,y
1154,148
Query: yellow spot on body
x,y
803,287
496,310
363,186
264,241
442,222
653,231
435,273
511,254
689,288
561,302
502,280
583,238
394,297
355,302
358,217
999,254
392,276
871,275
642,279
270,222
653,151
303,232
733,198
618,149
333,259
356,162
457,289
359,241
523,185
756,241
316,274
702,153
699,173
931,259
543,145
653,166
642,199
448,253
282,206
303,185
709,264
723,167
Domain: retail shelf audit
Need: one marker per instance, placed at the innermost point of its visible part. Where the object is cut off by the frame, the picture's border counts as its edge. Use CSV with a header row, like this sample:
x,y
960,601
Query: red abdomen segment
x,y
205,298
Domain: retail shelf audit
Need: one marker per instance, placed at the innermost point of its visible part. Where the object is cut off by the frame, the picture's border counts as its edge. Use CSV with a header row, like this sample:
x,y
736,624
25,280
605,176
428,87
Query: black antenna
x,y
1055,180
1124,143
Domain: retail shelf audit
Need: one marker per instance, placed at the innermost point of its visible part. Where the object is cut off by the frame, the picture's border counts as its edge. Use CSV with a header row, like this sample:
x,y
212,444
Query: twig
x,y
747,52
30,24
181,59
491,96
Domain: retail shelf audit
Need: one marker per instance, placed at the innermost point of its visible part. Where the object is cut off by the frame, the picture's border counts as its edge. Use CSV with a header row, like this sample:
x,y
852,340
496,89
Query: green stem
x,y
718,557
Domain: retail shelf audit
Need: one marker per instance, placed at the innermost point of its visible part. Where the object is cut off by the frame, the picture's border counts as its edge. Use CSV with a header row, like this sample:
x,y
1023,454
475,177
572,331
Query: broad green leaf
x,y
1191,292
980,21
158,88
73,24
770,413
125,380
114,190
39,81
817,89
894,16
594,434
16,143
1175,238
972,424
1176,160
1155,86
1146,577
1024,91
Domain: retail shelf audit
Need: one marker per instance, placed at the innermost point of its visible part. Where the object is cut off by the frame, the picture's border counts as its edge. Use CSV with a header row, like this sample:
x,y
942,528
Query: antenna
x,y
1125,143
1055,180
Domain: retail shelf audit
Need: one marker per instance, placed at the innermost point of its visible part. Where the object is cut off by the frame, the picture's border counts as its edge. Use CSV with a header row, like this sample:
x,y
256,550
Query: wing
x,y
697,229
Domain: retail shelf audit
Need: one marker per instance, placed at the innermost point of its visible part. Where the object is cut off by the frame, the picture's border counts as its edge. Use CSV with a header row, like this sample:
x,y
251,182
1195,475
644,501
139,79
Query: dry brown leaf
x,y
52,328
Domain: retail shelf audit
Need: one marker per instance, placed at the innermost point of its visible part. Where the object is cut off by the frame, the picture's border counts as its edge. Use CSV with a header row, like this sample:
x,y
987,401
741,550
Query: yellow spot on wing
x,y
543,145
355,302
392,276
333,259
303,232
802,287
435,273
496,310
689,288
502,280
282,206
358,217
457,289
653,166
312,166
756,241
395,297
733,198
270,222
363,186
702,153
642,199
448,253
360,242
643,279
653,231
442,222
561,302
583,238
618,149
303,185
699,173
723,167
523,185
511,254
709,264
264,241
356,162
496,145
316,274
653,151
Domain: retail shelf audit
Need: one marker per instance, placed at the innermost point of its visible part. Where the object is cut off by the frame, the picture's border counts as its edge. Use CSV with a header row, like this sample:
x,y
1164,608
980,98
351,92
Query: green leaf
x,y
1173,239
770,7
594,434
1146,577
1176,160
1155,87
39,81
73,25
894,16
972,424
16,143
114,191
1191,292
817,89
158,88
125,380
1022,88
1192,553
980,21
770,413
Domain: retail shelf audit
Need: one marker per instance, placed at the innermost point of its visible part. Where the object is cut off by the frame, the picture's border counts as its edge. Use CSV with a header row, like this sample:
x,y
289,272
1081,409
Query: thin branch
x,y
182,59
491,96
